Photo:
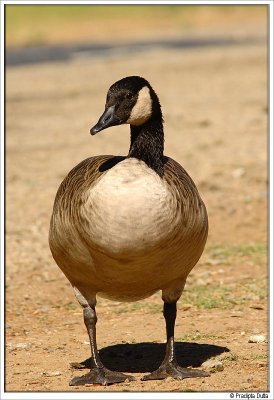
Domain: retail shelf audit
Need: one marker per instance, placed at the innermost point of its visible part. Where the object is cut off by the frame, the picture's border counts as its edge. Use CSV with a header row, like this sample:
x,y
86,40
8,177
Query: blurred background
x,y
30,25
208,64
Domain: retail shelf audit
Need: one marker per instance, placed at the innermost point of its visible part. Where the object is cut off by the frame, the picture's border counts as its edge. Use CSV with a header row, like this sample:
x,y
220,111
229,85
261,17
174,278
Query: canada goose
x,y
124,228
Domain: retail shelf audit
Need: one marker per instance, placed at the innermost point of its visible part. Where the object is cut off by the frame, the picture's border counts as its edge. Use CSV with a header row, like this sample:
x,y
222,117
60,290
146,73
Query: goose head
x,y
130,100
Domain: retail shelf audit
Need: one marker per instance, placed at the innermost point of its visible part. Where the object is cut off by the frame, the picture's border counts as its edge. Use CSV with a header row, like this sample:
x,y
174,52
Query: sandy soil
x,y
215,107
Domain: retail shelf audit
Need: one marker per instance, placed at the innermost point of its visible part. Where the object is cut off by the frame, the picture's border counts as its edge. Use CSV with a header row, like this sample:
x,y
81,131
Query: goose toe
x,y
100,376
172,369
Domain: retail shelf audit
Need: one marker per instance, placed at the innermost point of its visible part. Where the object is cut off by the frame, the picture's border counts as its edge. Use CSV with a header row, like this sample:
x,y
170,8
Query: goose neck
x,y
147,144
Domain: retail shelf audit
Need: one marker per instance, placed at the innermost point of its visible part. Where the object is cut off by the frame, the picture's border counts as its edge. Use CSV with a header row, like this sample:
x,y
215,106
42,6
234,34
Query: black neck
x,y
147,144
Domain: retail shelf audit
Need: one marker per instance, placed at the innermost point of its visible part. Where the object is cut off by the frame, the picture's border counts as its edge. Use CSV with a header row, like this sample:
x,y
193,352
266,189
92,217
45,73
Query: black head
x,y
130,100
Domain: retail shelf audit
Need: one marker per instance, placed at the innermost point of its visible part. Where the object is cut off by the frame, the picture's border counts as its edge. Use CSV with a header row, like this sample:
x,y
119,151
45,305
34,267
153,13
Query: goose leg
x,y
170,366
98,373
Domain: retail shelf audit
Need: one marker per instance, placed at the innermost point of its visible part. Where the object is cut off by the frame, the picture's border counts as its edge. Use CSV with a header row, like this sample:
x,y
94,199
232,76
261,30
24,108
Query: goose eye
x,y
129,96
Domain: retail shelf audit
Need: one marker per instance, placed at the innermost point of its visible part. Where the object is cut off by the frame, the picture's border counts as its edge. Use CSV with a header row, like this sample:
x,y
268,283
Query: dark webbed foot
x,y
169,366
100,376
175,371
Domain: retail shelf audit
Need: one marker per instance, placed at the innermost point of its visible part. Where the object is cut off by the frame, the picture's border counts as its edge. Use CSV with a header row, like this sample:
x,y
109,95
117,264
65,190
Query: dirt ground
x,y
214,102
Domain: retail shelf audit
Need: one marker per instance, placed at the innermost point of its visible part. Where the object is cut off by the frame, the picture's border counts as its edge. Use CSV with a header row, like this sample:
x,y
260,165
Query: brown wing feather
x,y
184,188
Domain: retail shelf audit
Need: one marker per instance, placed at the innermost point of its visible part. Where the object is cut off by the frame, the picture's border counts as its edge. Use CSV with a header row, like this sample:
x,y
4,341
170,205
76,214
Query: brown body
x,y
153,241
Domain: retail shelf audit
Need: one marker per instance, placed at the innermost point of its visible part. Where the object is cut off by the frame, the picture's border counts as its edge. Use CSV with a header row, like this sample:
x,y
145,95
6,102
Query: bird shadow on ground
x,y
146,357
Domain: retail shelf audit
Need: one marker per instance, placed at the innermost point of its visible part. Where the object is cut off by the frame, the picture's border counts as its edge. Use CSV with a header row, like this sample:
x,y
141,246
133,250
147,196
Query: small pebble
x,y
20,346
257,339
213,365
238,172
51,373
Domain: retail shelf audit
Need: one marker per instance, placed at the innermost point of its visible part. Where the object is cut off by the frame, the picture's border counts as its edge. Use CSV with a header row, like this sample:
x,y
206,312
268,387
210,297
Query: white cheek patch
x,y
142,110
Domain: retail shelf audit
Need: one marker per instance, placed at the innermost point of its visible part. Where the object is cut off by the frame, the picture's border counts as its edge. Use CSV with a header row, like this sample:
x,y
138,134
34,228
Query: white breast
x,y
129,209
